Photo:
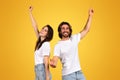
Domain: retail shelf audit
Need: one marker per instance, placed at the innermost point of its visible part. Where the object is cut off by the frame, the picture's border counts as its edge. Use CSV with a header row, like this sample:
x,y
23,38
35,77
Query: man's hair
x,y
59,28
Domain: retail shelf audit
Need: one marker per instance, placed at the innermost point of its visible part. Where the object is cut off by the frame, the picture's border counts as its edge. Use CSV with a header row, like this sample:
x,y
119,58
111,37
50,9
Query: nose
x,y
66,29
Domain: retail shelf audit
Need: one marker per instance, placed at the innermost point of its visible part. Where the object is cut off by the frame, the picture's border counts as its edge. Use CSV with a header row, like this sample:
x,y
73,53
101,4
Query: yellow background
x,y
99,51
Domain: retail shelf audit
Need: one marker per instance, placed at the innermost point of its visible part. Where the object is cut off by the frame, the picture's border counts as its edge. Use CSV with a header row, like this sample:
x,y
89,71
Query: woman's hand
x,y
30,8
91,11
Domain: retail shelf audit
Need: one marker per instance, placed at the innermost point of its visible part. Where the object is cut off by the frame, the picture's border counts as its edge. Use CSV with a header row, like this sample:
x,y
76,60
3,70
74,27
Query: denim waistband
x,y
41,65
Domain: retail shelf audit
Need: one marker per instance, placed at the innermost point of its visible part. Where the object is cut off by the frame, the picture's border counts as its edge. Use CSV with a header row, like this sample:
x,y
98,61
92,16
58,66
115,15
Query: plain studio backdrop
x,y
99,51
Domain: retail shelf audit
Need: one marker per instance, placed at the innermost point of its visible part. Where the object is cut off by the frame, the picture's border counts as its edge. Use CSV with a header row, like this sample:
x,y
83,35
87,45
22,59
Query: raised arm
x,y
34,24
88,23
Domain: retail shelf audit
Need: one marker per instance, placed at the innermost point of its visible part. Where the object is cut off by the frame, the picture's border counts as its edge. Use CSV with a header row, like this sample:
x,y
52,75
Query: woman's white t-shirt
x,y
44,50
67,51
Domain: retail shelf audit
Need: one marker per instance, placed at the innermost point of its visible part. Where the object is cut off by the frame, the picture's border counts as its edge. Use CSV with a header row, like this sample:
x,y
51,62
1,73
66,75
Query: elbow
x,y
46,65
46,61
88,30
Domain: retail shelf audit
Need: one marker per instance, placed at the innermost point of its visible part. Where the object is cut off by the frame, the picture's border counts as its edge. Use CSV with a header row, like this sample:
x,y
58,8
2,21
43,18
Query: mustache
x,y
65,32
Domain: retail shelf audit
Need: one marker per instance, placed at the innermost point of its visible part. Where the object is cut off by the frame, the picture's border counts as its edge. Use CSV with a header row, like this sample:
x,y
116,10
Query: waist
x,y
70,70
39,65
38,60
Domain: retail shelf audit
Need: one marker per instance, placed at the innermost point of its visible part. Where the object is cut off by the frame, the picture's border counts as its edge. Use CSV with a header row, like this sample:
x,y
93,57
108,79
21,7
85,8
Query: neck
x,y
65,38
42,38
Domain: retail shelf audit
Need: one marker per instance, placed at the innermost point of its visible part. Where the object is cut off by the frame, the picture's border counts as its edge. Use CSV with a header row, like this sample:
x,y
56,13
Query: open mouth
x,y
65,32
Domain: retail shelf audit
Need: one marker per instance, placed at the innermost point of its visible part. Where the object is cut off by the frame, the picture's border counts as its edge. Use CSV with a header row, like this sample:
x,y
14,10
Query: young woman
x,y
42,49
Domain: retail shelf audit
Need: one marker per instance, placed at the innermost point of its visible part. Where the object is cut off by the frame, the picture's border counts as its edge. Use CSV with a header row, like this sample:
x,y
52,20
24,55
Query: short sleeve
x,y
76,37
57,50
46,48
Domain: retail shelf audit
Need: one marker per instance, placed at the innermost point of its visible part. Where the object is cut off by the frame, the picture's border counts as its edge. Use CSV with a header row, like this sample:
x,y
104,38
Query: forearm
x,y
46,63
53,62
88,23
47,72
34,24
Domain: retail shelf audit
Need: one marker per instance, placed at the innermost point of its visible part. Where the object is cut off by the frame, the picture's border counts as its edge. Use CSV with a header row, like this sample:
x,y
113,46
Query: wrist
x,y
90,15
47,77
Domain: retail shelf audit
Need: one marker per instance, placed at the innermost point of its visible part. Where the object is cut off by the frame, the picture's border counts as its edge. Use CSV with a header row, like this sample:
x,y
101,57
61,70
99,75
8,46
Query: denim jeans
x,y
40,72
74,76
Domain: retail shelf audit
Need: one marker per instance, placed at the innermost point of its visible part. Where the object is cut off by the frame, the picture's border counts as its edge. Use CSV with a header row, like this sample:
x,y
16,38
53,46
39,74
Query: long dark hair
x,y
48,37
59,28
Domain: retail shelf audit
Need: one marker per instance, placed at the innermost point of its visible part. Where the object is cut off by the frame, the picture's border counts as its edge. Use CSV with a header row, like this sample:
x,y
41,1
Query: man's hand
x,y
30,8
52,63
91,11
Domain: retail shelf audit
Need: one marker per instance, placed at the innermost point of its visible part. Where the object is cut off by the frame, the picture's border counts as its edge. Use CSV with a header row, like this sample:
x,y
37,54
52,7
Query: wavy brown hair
x,y
48,37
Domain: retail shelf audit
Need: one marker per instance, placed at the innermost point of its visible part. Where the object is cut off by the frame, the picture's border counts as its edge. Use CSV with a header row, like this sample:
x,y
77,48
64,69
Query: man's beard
x,y
65,34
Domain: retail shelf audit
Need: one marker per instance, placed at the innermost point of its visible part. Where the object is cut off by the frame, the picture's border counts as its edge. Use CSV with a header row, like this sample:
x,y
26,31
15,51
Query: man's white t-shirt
x,y
67,51
44,50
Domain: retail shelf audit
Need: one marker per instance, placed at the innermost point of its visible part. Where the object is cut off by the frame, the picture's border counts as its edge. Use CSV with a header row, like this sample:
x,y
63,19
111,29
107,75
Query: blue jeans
x,y
74,76
40,72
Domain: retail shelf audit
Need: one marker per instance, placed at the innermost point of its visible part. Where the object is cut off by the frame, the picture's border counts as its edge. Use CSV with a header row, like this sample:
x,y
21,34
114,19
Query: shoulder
x,y
46,44
58,44
75,35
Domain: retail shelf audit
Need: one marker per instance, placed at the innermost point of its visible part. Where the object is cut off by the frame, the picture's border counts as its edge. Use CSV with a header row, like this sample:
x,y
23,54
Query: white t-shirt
x,y
41,52
67,51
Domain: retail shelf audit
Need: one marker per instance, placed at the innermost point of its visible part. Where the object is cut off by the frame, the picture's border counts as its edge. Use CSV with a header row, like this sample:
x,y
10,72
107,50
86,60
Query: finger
x,y
92,10
30,7
53,66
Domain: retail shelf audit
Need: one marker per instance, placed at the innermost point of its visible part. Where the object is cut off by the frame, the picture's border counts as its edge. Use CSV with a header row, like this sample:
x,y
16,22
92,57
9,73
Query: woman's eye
x,y
45,30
